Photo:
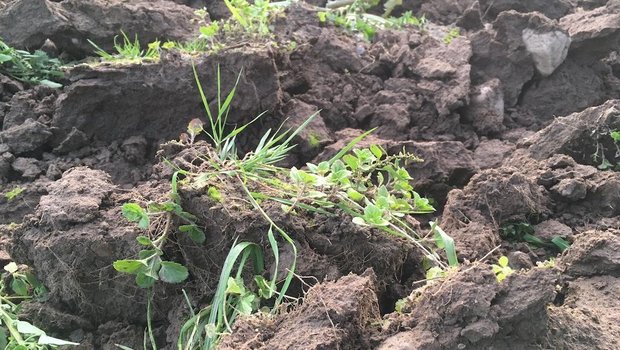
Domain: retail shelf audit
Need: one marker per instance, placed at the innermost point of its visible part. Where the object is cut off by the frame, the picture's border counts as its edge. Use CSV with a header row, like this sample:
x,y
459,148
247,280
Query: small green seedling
x,y
451,35
14,193
501,269
615,135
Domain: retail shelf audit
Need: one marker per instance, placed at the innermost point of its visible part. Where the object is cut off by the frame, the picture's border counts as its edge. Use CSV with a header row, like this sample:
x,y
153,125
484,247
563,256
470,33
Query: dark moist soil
x,y
513,119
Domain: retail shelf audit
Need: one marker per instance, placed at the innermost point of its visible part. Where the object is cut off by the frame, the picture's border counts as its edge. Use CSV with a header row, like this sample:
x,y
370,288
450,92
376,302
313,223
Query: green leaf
x,y
194,233
5,58
376,151
129,266
143,240
354,195
446,242
351,161
27,328
615,135
144,281
47,340
503,261
359,221
49,83
135,213
11,267
172,272
561,243
245,306
214,194
20,287
232,287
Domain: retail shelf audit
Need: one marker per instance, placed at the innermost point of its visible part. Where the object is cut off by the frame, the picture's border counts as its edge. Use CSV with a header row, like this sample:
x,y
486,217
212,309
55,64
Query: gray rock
x,y
598,28
27,137
29,168
571,190
74,140
134,149
551,228
548,49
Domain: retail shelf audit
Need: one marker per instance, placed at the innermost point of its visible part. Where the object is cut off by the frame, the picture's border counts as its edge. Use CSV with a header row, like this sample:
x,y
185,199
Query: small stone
x,y
29,168
571,189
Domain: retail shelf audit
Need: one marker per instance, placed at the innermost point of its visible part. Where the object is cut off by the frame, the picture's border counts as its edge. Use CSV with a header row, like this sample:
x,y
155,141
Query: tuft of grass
x,y
128,51
14,193
32,68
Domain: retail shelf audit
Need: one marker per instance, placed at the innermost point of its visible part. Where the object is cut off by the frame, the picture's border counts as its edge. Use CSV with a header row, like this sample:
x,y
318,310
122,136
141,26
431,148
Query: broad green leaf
x,y
144,281
49,83
129,266
376,151
47,340
245,306
20,287
194,233
11,267
143,240
232,287
27,328
503,261
359,221
351,161
5,58
561,243
354,195
172,272
135,213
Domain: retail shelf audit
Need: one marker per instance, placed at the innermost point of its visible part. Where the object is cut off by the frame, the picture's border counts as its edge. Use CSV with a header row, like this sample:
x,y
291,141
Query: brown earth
x,y
513,119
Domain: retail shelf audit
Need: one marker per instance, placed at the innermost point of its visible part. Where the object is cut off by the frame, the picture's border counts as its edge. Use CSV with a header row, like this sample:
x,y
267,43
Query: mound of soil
x,y
515,119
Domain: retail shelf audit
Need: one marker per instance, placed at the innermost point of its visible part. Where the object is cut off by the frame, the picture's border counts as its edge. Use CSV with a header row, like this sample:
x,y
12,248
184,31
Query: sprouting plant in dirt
x,y
248,21
16,334
14,193
601,156
352,15
32,68
524,232
150,267
128,51
501,269
547,264
451,35
369,185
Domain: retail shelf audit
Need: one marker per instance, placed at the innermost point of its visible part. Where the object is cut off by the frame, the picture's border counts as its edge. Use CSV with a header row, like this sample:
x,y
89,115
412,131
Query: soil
x,y
513,119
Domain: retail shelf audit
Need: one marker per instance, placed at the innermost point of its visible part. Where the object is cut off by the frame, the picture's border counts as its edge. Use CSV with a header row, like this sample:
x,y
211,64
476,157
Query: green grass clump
x,y
32,68
128,51
369,185
352,15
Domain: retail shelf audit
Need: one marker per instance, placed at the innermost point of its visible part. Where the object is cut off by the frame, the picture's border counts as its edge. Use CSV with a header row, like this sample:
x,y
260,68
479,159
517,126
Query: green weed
x,y
352,16
32,68
16,334
501,269
451,35
14,193
129,51
368,184
524,232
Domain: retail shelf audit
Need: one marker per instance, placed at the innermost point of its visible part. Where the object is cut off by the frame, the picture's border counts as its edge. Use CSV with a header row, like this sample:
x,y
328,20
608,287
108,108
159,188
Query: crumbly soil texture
x,y
514,119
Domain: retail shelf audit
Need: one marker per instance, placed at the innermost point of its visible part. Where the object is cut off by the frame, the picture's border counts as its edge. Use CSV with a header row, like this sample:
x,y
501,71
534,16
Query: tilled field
x,y
516,118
